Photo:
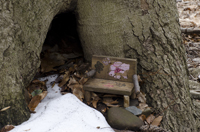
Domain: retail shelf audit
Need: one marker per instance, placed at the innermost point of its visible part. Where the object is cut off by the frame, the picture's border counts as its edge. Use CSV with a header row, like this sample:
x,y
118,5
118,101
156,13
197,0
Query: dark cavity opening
x,y
61,44
63,32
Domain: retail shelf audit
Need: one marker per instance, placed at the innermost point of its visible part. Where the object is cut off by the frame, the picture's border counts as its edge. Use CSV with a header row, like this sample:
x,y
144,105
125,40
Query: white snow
x,y
63,113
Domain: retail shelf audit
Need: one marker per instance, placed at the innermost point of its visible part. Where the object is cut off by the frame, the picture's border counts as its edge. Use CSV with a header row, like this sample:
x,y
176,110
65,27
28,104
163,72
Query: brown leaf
x,y
72,80
36,84
77,75
73,86
150,118
53,84
95,96
95,100
59,79
109,105
65,79
83,80
7,128
156,121
94,103
109,101
36,100
73,68
142,117
141,97
78,92
142,106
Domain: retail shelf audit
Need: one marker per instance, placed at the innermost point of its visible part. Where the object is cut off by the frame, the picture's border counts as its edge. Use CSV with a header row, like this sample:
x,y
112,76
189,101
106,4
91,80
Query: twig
x,y
190,30
136,84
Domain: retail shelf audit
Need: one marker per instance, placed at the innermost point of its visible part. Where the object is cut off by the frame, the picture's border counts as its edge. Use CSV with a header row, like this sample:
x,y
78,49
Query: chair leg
x,y
126,101
87,96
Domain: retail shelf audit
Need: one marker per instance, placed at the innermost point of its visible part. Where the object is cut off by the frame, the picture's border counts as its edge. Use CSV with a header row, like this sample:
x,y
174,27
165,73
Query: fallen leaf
x,y
141,97
36,84
72,80
79,93
102,107
73,86
36,92
142,117
150,118
142,106
94,103
63,93
36,100
4,109
83,80
53,84
27,130
73,68
7,128
77,75
82,68
109,105
156,121
59,78
95,99
65,79
109,101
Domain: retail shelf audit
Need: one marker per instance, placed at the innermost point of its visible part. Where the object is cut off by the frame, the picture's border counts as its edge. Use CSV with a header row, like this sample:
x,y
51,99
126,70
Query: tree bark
x,y
147,30
24,25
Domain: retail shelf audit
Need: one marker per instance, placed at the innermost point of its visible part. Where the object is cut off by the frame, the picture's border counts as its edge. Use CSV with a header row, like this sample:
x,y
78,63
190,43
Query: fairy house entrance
x,y
61,44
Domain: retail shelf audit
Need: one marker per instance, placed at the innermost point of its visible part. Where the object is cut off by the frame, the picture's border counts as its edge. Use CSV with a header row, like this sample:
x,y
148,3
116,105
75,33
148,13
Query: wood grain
x,y
103,69
108,86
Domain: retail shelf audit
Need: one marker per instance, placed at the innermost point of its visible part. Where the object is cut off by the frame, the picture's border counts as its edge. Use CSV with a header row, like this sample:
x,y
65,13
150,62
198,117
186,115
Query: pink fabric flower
x,y
119,68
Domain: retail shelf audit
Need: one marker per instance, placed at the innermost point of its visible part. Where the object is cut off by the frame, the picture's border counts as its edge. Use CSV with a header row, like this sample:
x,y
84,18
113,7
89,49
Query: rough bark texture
x,y
23,28
149,31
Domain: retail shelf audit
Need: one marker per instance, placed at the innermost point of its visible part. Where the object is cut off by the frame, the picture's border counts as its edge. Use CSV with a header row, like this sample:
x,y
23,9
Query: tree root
x,y
150,128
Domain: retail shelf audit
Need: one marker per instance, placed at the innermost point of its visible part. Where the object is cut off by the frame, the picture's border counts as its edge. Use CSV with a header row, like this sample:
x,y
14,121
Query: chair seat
x,y
109,86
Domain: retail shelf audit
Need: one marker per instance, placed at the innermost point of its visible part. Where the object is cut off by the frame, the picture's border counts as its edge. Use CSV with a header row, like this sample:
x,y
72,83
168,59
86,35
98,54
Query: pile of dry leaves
x,y
72,76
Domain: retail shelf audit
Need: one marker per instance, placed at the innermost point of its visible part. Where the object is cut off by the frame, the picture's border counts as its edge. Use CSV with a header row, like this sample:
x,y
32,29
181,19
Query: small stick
x,y
136,84
190,30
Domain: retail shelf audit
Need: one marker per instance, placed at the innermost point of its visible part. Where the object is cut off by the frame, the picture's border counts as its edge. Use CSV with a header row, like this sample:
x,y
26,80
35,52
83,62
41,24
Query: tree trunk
x,y
24,25
147,30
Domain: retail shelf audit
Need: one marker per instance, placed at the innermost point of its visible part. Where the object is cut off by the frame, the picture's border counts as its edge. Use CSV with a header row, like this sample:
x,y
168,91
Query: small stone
x,y
121,119
134,110
147,111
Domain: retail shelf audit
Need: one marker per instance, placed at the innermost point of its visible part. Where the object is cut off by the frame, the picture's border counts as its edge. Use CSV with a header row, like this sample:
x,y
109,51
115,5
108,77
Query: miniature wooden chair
x,y
113,75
